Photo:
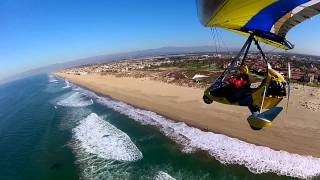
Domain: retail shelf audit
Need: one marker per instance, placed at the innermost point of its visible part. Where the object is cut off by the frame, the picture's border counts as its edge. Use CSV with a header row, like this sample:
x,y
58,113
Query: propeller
x,y
288,85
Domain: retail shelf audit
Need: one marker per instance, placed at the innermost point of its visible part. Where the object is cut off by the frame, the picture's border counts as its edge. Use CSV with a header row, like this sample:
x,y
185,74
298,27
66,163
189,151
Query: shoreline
x,y
225,117
163,115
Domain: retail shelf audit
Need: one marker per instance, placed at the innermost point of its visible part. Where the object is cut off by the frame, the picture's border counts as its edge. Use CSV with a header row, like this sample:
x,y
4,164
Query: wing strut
x,y
245,48
262,53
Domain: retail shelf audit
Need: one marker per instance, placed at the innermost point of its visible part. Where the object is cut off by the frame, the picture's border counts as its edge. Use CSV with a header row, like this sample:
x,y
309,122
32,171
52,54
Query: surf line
x,y
227,150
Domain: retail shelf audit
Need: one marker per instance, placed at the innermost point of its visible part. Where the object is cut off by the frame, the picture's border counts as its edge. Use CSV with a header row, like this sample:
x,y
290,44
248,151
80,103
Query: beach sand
x,y
297,131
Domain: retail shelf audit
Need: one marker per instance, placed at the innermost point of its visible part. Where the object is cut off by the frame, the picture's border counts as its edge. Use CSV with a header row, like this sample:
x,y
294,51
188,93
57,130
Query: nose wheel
x,y
206,99
255,128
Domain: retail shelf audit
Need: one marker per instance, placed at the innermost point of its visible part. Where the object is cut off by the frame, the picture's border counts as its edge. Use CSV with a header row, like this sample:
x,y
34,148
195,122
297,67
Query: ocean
x,y
52,129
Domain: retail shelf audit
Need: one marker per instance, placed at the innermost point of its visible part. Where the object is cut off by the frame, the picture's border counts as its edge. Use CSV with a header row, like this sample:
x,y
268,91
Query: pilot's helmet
x,y
244,69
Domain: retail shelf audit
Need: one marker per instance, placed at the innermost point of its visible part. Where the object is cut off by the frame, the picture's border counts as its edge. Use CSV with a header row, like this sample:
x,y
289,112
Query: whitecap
x,y
72,118
67,84
227,150
102,150
52,79
96,136
163,176
75,99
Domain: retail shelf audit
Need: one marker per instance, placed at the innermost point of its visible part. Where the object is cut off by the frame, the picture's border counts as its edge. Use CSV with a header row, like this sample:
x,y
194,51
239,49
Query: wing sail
x,y
297,16
268,20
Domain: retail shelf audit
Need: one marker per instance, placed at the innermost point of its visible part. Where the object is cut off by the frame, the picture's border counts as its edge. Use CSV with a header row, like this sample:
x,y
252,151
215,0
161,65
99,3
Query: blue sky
x,y
35,33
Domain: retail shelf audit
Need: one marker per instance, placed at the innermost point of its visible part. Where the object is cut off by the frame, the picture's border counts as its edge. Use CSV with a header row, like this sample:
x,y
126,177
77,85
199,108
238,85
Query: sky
x,y
35,33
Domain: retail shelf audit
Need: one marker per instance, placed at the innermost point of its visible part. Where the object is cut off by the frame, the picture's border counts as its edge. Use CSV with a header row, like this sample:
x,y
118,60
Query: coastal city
x,y
180,68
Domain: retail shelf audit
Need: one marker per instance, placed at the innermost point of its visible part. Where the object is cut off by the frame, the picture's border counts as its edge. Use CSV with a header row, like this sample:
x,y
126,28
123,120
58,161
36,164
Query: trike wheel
x,y
207,100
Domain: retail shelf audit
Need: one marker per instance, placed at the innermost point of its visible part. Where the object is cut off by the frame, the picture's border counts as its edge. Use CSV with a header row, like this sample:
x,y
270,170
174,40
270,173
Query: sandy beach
x,y
296,131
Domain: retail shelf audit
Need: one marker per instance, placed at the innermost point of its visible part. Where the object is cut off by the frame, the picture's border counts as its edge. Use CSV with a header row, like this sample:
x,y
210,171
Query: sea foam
x,y
102,150
75,99
227,150
163,176
96,136
67,85
52,79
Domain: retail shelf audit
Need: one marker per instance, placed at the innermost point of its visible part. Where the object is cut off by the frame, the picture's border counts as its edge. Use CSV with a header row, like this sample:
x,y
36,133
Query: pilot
x,y
242,84
241,80
239,85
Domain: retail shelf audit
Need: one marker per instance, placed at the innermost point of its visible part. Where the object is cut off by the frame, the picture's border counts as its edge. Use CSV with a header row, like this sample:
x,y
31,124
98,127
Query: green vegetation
x,y
314,84
188,66
194,66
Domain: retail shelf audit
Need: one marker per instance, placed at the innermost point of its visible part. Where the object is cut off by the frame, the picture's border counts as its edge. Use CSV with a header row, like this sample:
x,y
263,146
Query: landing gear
x,y
255,128
207,100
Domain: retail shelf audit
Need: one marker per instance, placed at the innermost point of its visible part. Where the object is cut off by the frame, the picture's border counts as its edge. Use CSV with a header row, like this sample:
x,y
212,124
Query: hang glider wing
x,y
268,20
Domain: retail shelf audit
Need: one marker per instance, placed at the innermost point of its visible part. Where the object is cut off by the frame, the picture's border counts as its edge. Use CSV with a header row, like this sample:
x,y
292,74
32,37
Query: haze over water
x,y
50,129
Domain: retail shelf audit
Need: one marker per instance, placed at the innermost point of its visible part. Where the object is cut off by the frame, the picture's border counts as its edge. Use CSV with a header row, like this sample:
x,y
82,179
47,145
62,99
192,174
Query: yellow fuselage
x,y
257,95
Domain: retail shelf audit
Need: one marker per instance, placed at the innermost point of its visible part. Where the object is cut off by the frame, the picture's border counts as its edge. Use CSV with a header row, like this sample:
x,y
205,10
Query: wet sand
x,y
297,131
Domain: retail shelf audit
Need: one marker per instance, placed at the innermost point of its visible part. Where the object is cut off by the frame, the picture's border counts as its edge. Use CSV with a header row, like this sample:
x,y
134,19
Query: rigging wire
x,y
214,37
272,50
218,40
224,45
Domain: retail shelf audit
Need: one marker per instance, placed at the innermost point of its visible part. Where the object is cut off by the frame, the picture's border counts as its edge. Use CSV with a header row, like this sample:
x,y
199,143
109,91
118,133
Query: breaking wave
x,y
53,85
99,137
52,79
102,150
67,84
75,99
163,176
227,150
